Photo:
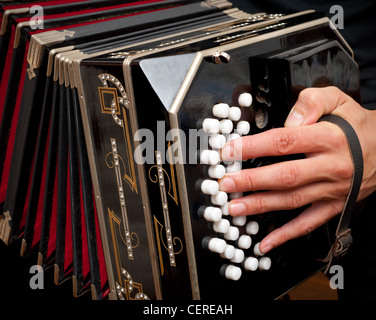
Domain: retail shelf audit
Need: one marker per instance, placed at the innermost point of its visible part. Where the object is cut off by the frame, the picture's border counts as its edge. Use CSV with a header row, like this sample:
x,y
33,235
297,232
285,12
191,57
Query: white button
x,y
243,127
235,195
210,157
239,221
245,99
210,125
265,263
244,242
217,245
213,214
217,141
224,209
233,136
251,264
234,166
209,187
256,250
225,126
217,171
238,256
233,273
232,234
229,252
234,113
252,228
221,226
220,110
220,198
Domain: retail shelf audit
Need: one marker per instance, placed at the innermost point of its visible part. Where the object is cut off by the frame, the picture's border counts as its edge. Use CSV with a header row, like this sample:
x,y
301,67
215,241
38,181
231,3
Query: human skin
x,y
322,178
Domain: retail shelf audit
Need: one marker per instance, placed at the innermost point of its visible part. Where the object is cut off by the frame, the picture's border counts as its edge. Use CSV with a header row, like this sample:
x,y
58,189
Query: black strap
x,y
343,238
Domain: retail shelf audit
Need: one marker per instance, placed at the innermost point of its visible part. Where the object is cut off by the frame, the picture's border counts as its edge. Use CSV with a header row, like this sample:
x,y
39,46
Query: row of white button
x,y
223,225
223,110
225,126
218,245
235,255
250,264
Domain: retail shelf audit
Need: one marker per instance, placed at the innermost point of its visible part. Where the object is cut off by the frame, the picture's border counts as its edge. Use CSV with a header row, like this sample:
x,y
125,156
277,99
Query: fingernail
x,y
226,184
266,248
294,119
237,208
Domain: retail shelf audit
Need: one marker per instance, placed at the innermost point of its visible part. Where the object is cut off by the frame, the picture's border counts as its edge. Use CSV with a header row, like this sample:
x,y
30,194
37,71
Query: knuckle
x,y
249,182
306,93
288,176
305,228
341,192
344,170
284,143
260,205
309,96
293,200
335,91
336,138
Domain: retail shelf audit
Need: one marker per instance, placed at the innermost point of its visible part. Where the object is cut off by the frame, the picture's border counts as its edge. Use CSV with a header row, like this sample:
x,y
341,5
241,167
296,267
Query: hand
x,y
322,179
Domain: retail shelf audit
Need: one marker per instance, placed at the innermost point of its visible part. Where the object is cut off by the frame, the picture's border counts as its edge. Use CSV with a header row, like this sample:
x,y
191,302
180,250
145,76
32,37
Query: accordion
x,y
113,113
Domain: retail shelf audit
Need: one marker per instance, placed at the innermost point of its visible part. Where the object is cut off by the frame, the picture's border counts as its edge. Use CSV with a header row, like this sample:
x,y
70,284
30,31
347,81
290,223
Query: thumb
x,y
313,103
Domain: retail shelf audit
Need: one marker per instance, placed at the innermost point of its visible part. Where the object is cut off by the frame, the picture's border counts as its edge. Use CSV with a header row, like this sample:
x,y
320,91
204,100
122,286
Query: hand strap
x,y
343,238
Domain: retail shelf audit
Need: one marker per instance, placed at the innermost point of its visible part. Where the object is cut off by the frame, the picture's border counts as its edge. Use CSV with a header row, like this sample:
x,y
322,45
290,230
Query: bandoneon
x,y
113,115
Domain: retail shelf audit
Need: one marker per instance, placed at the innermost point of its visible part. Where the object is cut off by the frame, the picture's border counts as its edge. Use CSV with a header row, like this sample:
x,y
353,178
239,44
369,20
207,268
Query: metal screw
x,y
219,57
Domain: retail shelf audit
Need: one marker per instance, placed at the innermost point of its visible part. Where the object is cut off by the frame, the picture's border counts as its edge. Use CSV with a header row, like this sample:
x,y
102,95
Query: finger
x,y
279,176
262,202
317,137
309,220
313,103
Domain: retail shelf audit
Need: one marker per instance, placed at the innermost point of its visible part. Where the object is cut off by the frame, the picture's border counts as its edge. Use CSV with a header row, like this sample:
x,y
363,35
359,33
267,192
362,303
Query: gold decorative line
x,y
114,219
131,178
166,215
174,193
104,77
128,240
158,228
129,287
107,91
123,275
114,110
172,187
110,163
